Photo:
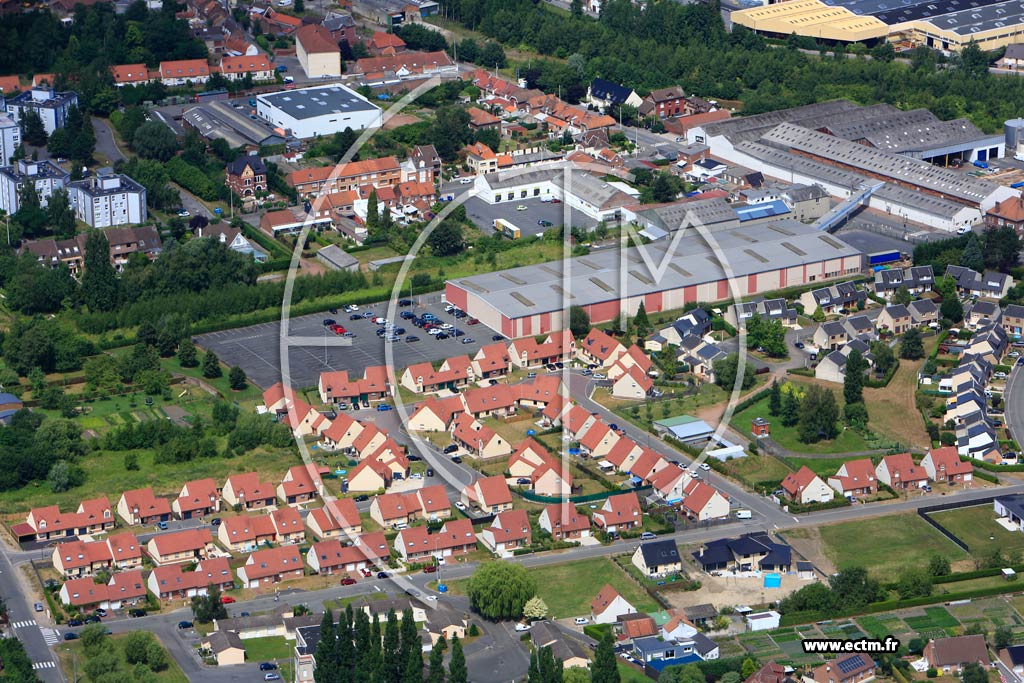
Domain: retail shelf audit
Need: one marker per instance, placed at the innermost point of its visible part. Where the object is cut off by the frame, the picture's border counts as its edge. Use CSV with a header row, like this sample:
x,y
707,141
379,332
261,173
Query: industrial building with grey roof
x,y
667,274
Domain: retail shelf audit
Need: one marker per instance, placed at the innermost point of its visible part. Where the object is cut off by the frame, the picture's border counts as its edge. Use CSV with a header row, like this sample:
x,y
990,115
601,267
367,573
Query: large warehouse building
x,y
760,258
323,110
846,148
939,24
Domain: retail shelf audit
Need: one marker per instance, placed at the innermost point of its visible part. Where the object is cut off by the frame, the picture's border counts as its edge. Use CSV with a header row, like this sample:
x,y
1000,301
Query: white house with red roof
x,y
235,68
619,513
507,532
124,588
374,545
492,360
78,558
186,545
541,392
490,494
129,74
564,522
478,439
855,478
702,502
499,400
141,506
624,454
633,357
900,473
528,353
46,523
599,348
197,498
648,464
436,414
342,433
632,383
608,606
338,517
528,456
453,373
576,421
245,533
944,465
670,484
804,487
184,71
270,566
338,387
288,525
598,440
125,551
302,484
455,537
172,581
332,557
248,492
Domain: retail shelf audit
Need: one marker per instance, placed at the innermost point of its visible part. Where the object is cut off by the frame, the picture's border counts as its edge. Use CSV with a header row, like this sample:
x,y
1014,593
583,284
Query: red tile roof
x,y
316,39
271,561
182,541
184,68
130,73
795,482
244,64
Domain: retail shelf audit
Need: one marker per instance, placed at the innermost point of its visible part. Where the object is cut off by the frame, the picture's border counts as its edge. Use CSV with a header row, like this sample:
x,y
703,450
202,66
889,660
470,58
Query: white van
x,y
743,514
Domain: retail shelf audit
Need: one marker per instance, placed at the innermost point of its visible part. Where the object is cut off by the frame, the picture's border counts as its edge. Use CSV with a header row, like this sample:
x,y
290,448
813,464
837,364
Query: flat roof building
x,y
218,119
323,110
757,258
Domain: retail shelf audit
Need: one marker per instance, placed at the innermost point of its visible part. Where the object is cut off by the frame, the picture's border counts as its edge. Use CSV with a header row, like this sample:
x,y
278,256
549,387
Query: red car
x,y
366,572
226,599
338,329
472,321
348,581
430,569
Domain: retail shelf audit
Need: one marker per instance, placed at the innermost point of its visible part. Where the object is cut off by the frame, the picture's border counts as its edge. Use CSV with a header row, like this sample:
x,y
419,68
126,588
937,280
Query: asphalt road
x,y
105,140
256,349
1013,403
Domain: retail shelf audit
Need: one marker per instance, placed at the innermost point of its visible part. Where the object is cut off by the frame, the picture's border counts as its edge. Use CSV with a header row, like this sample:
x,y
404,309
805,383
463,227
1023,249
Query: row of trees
x,y
995,249
813,410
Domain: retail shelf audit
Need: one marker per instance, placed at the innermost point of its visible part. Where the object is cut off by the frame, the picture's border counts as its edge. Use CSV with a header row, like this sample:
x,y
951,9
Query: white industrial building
x,y
46,175
51,106
108,199
10,138
323,110
579,189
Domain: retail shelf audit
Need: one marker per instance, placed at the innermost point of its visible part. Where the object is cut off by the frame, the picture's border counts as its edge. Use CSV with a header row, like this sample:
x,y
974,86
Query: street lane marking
x,y
24,624
44,665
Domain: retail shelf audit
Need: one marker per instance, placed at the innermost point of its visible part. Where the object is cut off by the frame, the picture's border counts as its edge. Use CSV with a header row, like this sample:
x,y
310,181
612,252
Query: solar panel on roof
x,y
851,664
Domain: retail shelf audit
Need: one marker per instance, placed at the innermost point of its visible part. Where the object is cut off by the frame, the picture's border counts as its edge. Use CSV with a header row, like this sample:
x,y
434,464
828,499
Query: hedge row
x,y
884,382
981,464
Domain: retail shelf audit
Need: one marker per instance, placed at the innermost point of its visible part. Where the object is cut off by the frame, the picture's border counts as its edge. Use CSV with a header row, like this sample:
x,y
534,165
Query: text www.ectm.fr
x,y
837,646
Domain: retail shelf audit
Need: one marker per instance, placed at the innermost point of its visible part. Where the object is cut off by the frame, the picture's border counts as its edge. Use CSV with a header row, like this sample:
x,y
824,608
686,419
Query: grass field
x,y
71,652
976,526
823,467
568,588
891,409
757,468
628,674
847,441
871,542
267,649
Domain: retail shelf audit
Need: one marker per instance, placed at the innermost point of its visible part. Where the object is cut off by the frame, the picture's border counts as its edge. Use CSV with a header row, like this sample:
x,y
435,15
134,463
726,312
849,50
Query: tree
x,y
300,6
726,369
457,664
372,213
576,674
819,415
973,673
100,286
499,590
154,140
576,8
853,381
326,665
748,669
579,321
790,409
94,638
902,296
236,378
156,656
1002,247
450,132
855,588
187,354
855,414
207,608
535,608
768,336
135,644
730,677
1003,637
972,257
604,668
640,321
64,476
775,399
492,55
447,239
59,213
211,365
391,667
884,357
914,583
435,672
911,345
938,566
32,129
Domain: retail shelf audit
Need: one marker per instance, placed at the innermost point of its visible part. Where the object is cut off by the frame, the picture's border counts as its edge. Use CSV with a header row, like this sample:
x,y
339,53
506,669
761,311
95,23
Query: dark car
x,y
497,337
522,481
330,321
442,335
361,498
184,624
405,302
244,614
412,457
472,321
430,471
268,666
75,622
355,316
348,581
407,315
450,449
332,311
383,575
70,635
430,569
399,330
412,338
215,521
492,382
92,619
457,460
457,332
460,314
137,613
545,224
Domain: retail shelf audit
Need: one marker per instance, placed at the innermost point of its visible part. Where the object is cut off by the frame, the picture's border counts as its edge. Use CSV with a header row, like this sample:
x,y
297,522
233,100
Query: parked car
x,y
348,581
458,461
497,337
273,676
522,627
38,607
92,619
521,207
383,408
70,635
442,335
227,600
162,526
137,613
1000,375
430,471
183,213
523,481
545,224
648,535
268,666
430,569
361,498
355,316
580,621
76,622
460,505
467,340
405,302
328,322
450,449
704,466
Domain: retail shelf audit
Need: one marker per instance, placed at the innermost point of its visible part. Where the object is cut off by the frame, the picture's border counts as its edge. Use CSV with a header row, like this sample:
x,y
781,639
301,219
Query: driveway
x,y
105,144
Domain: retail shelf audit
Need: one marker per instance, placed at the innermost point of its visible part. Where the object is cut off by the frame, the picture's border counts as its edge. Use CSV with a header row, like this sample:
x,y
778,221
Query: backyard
x,y
847,441
891,409
757,469
976,526
267,649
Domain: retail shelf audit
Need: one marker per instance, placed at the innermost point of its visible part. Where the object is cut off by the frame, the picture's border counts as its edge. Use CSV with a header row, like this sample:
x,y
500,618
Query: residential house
x,y
772,673
665,103
619,513
638,625
915,279
900,473
923,312
846,668
172,581
1010,211
444,620
670,483
416,544
184,72
288,525
508,531
124,588
490,494
107,199
949,655
302,484
405,65
608,606
599,348
895,318
477,439
1012,658
981,313
842,296
605,95
528,353
341,26
245,533
125,551
656,559
46,523
633,384
491,361
187,545
226,646
702,502
270,566
332,557
141,506
498,400
768,309
236,68
336,387
374,545
338,517
750,552
127,241
73,559
379,173
317,51
564,522
381,43
482,120
234,240
247,492
855,479
343,432
130,74
806,487
944,465
564,648
831,335
1012,320
480,158
197,498
246,176
989,285
453,374
695,323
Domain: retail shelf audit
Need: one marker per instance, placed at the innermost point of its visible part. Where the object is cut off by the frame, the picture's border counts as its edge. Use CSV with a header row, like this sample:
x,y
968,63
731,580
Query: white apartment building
x,y
46,175
108,199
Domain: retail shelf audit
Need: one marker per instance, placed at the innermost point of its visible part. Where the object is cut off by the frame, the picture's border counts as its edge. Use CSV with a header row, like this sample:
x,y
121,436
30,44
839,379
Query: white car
x,y
351,308
459,505
704,466
380,321
1000,375
434,331
522,627
580,621
447,326
417,475
465,181
431,597
598,375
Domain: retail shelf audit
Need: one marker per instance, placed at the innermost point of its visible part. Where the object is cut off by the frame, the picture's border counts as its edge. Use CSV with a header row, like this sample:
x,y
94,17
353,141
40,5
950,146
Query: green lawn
x,y
847,441
628,674
71,653
823,467
886,545
757,468
568,588
976,526
267,649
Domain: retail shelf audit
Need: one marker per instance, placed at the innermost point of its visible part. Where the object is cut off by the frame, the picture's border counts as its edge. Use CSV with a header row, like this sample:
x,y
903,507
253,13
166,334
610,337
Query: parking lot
x,y
256,349
483,214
